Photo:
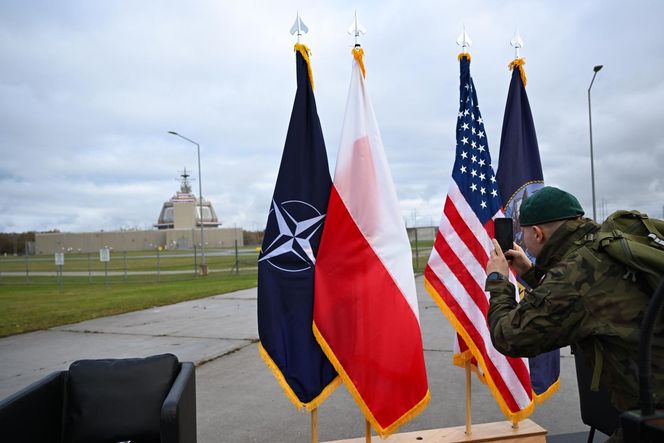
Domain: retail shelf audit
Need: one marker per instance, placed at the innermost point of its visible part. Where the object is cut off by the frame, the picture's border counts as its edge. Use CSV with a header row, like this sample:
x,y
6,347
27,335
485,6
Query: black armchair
x,y
142,400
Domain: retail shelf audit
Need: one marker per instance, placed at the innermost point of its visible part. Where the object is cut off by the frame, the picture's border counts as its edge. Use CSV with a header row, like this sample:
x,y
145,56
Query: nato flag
x,y
288,255
519,175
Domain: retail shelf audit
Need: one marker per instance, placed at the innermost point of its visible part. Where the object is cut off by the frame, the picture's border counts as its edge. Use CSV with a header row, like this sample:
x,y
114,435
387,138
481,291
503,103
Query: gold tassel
x,y
302,49
358,53
518,64
462,55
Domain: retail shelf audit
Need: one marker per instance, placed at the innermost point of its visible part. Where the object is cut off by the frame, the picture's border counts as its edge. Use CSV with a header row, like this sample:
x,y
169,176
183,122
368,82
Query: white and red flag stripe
x,y
455,274
366,317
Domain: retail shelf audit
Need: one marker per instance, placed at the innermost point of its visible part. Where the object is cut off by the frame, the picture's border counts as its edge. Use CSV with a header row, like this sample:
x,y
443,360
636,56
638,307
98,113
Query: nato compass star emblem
x,y
297,223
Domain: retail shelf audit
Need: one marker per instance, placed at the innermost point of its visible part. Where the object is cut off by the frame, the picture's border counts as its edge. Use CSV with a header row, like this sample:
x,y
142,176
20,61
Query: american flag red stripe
x,y
474,290
475,337
455,274
466,235
508,377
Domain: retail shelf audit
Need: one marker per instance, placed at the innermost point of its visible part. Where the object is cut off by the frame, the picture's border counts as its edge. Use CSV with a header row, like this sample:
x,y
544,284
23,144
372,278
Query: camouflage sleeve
x,y
532,276
549,317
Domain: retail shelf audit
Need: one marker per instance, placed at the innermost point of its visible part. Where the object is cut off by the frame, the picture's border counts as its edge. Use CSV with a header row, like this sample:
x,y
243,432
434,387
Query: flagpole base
x,y
528,432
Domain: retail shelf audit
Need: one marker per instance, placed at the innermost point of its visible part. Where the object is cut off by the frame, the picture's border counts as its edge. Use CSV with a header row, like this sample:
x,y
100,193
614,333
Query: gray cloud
x,y
88,91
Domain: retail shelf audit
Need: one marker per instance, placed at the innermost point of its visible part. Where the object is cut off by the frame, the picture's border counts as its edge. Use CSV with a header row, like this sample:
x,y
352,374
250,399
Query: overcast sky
x,y
89,89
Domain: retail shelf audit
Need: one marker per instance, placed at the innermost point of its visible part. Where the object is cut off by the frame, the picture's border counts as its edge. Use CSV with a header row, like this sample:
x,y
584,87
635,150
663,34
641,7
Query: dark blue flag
x,y
288,254
519,175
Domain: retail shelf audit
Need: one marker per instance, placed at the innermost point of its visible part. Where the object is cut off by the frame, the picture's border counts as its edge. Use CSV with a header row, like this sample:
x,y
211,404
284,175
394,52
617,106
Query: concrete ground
x,y
238,399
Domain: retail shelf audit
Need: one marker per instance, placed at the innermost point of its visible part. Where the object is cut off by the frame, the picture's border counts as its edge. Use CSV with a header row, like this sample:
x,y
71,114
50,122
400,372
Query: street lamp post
x,y
200,198
590,119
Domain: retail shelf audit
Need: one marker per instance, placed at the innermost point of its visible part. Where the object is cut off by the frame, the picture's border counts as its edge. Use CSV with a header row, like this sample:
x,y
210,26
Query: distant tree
x,y
14,242
253,237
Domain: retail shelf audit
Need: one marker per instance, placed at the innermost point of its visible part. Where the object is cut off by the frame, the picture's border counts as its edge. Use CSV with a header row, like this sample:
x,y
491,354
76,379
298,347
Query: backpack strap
x,y
653,226
599,363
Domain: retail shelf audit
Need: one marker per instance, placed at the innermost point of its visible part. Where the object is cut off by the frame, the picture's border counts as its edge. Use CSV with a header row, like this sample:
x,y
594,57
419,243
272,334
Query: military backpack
x,y
636,241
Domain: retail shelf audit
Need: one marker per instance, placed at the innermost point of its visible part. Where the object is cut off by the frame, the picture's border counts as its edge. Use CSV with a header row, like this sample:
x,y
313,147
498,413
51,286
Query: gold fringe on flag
x,y
358,53
462,55
502,404
350,385
313,404
518,63
304,50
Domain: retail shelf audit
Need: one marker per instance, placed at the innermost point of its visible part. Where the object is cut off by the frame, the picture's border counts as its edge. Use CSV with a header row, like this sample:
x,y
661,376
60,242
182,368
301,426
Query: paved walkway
x,y
238,399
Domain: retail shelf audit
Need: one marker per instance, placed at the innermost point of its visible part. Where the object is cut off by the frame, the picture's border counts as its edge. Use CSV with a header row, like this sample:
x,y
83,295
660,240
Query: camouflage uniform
x,y
579,296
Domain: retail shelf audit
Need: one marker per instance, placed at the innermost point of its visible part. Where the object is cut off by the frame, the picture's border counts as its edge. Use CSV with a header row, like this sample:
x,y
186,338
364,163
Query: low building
x,y
178,227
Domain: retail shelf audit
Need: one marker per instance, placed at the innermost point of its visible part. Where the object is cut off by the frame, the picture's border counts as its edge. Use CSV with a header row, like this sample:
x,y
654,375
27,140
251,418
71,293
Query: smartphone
x,y
503,233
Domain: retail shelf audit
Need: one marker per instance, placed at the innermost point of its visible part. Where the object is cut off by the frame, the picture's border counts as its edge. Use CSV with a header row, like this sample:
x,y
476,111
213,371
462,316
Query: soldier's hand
x,y
518,259
497,261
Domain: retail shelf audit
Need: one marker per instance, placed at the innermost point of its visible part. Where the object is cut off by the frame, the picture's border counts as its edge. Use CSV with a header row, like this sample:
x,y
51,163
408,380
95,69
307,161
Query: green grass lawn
x,y
423,250
33,303
41,304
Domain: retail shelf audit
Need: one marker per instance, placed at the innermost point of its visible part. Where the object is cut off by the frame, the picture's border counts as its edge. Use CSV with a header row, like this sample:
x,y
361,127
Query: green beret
x,y
549,204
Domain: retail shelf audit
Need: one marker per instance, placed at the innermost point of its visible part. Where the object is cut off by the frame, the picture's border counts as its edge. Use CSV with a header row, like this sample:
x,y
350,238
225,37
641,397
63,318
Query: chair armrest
x,y
178,413
35,413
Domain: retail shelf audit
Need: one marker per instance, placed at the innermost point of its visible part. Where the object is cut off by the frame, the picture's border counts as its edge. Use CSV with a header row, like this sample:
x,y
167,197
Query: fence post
x,y
417,253
125,265
89,269
158,268
195,260
237,260
27,268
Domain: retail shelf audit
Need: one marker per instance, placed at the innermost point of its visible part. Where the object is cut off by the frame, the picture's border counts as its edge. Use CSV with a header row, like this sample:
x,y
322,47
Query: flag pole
x,y
299,29
468,398
517,43
356,30
314,425
465,42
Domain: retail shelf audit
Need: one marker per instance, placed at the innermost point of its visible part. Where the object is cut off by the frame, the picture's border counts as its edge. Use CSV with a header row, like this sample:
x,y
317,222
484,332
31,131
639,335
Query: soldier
x,y
577,296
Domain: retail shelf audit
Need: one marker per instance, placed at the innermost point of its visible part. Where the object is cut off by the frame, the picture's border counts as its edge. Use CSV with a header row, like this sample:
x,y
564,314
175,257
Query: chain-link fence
x,y
157,265
121,266
421,242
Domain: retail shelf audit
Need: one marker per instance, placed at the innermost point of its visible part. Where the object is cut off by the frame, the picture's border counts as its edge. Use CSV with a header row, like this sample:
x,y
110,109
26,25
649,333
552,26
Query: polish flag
x,y
366,317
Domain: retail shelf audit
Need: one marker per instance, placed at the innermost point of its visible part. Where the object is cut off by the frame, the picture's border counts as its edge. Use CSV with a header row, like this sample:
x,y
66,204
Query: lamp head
x,y
597,68
173,132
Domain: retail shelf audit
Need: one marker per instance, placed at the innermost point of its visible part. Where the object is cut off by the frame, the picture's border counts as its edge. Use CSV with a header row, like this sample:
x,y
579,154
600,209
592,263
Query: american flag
x,y
455,274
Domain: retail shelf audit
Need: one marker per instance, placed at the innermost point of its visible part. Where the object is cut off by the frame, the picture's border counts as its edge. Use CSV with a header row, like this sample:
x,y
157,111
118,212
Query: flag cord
x,y
468,403
314,425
